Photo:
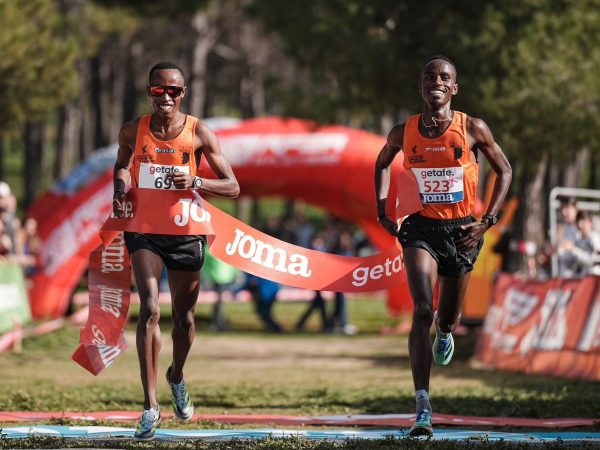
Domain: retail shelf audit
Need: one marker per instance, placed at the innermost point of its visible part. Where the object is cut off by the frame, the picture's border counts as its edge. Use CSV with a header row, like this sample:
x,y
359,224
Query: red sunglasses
x,y
159,91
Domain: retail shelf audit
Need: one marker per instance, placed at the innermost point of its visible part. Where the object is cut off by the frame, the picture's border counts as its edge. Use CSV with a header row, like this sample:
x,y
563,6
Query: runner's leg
x,y
147,269
421,273
451,297
185,286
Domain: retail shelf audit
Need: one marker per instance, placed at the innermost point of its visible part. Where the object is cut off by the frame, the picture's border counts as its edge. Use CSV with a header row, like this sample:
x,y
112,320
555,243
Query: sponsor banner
x,y
145,211
109,284
96,356
546,327
257,253
14,307
237,244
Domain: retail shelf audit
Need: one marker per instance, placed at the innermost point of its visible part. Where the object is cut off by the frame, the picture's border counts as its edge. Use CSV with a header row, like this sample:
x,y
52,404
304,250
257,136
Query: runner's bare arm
x,y
481,137
226,185
121,170
382,175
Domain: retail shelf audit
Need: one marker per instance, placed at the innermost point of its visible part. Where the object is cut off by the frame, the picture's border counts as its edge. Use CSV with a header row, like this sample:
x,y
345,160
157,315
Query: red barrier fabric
x,y
545,327
391,420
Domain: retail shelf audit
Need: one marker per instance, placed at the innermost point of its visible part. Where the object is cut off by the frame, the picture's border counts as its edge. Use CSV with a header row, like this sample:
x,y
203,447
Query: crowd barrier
x,y
544,327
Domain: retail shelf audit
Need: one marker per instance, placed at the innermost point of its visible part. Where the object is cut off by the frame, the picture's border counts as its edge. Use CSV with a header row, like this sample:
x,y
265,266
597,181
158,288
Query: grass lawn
x,y
249,371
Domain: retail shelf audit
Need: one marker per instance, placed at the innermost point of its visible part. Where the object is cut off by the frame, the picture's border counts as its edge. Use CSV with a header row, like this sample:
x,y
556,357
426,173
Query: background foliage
x,y
74,70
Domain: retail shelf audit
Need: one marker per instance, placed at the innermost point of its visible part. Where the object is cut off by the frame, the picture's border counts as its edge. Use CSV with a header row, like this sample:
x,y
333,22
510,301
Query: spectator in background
x,y
584,253
6,247
339,319
8,209
28,246
567,234
304,230
264,293
221,277
317,303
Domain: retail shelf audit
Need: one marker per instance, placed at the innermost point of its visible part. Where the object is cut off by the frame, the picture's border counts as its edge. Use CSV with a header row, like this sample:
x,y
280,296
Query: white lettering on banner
x,y
189,208
113,256
590,338
495,325
551,331
107,353
361,275
111,300
76,230
265,254
10,296
440,185
517,307
99,338
287,149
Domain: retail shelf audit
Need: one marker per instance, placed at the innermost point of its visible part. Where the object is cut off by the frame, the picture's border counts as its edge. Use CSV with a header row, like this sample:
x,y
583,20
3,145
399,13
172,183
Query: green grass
x,y
248,371
279,444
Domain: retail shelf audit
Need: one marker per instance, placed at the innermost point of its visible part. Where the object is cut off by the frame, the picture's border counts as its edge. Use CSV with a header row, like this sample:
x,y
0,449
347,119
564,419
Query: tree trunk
x,y
34,144
103,98
256,52
69,124
573,173
116,91
593,178
206,36
87,110
130,96
3,145
528,223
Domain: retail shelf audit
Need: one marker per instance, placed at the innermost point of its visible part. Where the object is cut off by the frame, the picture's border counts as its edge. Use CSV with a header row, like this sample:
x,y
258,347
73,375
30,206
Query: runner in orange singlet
x,y
163,151
442,241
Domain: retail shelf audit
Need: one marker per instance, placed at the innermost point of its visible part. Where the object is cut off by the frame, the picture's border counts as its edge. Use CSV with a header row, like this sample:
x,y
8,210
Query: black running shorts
x,y
177,252
438,237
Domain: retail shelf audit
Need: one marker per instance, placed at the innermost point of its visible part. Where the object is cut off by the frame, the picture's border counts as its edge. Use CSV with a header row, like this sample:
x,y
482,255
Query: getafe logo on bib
x,y
154,176
440,185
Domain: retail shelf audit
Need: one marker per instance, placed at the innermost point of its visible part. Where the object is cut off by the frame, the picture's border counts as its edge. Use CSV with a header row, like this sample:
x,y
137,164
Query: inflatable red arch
x,y
327,166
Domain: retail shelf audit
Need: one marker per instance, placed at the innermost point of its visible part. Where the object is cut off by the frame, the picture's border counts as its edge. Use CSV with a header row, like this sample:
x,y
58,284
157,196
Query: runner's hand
x,y
181,180
390,226
473,232
118,204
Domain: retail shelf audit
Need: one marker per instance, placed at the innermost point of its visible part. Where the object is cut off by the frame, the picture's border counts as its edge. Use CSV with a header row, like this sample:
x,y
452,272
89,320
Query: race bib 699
x,y
440,185
154,176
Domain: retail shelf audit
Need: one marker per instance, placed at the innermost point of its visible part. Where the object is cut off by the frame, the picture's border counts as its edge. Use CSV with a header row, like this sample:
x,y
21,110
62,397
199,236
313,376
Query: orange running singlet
x,y
153,159
446,176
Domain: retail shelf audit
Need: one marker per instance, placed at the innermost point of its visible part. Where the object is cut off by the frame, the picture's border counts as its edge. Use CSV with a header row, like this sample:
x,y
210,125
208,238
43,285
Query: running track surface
x,y
388,420
438,434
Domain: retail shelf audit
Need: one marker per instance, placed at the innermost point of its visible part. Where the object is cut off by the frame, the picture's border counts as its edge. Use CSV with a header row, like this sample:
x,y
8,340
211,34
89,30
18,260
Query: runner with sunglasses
x,y
442,241
162,150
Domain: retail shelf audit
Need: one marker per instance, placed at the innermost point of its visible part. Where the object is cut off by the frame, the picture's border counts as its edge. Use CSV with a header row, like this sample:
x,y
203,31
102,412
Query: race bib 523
x,y
440,185
154,176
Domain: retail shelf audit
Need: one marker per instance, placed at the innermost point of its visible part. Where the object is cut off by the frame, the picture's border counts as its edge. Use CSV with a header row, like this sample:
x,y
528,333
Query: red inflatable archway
x,y
327,166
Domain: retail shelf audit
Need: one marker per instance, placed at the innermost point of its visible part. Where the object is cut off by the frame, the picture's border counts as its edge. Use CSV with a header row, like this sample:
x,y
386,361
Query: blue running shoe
x,y
182,404
443,349
148,423
422,425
